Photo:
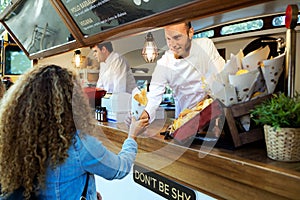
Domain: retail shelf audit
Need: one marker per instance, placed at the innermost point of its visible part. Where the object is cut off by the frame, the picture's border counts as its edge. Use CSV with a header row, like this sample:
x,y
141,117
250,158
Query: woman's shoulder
x,y
83,139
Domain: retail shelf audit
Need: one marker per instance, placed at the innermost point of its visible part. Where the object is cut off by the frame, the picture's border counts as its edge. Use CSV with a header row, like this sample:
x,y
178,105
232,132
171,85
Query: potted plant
x,y
280,116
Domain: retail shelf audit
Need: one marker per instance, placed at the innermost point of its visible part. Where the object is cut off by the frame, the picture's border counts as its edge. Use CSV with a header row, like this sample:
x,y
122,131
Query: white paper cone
x,y
238,59
260,85
244,84
226,94
136,107
272,70
245,121
252,60
230,67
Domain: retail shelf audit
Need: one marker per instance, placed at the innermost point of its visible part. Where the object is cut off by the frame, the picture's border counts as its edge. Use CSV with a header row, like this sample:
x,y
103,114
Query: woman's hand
x,y
128,120
137,127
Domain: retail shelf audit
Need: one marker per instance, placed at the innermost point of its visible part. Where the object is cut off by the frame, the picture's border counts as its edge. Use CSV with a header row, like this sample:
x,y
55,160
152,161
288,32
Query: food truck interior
x,y
235,163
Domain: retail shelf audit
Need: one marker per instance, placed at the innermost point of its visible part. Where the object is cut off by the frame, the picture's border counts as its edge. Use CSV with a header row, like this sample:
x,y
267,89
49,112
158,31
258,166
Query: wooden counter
x,y
244,173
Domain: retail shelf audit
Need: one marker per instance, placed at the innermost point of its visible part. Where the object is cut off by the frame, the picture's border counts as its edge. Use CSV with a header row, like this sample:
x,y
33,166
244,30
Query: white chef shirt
x,y
184,76
115,75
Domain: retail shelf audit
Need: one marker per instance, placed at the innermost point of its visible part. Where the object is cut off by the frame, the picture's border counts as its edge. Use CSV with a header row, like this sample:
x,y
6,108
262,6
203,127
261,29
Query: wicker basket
x,y
283,144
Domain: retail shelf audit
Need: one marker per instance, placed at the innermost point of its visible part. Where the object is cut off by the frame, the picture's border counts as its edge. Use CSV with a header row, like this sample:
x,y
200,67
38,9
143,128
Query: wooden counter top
x,y
244,173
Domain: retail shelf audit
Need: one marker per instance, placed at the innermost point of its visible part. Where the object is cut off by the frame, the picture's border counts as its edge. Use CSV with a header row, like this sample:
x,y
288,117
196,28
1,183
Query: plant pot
x,y
283,144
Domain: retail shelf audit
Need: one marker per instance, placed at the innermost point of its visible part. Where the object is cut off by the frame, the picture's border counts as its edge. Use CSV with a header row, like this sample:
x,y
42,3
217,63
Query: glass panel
x,y
16,62
204,34
94,16
4,4
2,29
280,21
242,27
37,26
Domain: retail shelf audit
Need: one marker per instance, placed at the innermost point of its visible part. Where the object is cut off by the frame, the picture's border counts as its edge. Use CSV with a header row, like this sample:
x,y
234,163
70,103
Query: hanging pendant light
x,y
77,58
150,51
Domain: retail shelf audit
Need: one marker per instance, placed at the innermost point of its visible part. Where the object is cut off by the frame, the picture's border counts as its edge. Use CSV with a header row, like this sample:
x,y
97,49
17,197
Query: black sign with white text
x,y
95,16
162,186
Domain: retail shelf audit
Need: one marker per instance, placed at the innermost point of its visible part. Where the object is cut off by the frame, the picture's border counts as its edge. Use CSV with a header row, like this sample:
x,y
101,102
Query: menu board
x,y
94,16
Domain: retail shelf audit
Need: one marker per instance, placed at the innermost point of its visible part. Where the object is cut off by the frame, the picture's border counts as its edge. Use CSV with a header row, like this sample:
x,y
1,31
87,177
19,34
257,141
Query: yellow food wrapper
x,y
139,102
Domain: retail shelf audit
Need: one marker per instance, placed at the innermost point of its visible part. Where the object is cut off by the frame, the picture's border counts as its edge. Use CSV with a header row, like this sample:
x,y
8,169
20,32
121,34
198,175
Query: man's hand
x,y
145,115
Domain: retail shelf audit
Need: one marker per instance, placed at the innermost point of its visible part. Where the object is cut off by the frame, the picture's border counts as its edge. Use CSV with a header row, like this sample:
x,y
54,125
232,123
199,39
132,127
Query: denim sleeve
x,y
97,159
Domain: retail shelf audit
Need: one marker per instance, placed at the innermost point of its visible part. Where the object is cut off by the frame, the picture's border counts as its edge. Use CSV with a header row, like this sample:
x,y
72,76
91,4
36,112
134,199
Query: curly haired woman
x,y
48,139
2,89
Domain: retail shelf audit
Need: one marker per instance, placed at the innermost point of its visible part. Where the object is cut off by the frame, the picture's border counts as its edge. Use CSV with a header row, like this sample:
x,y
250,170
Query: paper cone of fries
x,y
139,102
272,70
244,84
253,59
237,59
230,67
225,93
260,86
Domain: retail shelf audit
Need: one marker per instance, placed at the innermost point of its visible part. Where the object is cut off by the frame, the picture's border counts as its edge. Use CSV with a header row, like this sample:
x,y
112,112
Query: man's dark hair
x,y
107,45
188,24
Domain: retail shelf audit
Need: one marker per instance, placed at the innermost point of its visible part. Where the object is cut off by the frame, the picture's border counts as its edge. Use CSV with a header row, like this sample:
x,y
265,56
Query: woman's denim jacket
x,y
87,155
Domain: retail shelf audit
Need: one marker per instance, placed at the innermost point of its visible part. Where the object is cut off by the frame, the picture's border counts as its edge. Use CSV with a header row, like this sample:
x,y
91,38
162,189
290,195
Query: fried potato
x,y
256,94
141,97
188,114
242,71
183,119
184,112
203,104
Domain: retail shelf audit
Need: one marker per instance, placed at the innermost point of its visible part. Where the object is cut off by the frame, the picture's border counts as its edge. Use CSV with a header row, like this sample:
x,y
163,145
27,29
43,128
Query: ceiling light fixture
x,y
150,51
77,58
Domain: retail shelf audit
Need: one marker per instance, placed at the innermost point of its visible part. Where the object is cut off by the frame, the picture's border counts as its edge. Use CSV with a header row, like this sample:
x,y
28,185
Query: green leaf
x,y
278,111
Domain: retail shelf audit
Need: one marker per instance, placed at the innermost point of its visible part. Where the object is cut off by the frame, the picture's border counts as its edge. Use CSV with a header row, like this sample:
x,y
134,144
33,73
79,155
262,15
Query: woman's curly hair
x,y
2,89
39,116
